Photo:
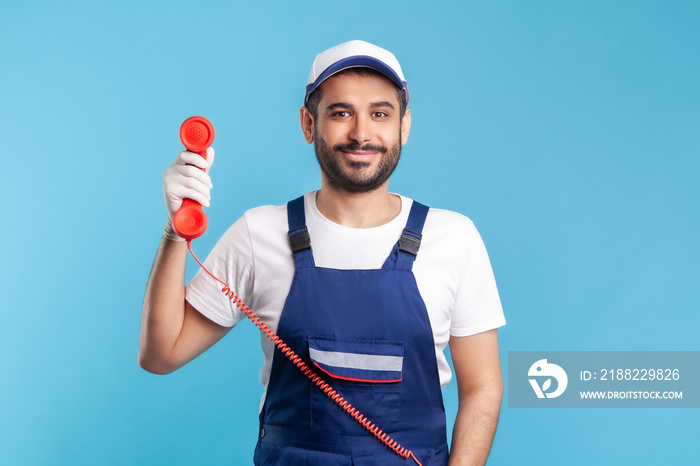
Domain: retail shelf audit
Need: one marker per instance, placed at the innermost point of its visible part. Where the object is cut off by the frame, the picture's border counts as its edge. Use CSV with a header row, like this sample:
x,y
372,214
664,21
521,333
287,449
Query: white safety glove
x,y
184,180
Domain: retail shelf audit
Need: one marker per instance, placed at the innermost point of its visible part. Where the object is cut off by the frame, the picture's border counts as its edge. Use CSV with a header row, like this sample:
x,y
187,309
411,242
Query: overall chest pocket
x,y
367,373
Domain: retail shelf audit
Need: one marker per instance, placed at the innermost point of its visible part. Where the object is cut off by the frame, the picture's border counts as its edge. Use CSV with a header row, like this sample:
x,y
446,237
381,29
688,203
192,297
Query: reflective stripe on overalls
x,y
368,334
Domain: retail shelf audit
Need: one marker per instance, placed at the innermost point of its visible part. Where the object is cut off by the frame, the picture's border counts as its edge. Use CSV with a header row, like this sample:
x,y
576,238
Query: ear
x,y
307,124
405,126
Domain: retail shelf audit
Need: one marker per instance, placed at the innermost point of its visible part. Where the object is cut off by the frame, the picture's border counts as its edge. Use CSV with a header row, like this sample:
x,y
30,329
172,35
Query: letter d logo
x,y
542,369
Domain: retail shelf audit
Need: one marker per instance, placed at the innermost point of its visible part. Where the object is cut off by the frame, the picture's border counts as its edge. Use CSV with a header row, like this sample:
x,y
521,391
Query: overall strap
x,y
299,239
406,250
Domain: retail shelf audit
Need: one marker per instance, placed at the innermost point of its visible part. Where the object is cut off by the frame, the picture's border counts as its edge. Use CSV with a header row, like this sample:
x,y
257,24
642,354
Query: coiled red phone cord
x,y
315,378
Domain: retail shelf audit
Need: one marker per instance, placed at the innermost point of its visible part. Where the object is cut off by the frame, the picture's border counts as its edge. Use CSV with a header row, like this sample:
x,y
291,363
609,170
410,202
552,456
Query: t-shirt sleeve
x,y
231,260
477,303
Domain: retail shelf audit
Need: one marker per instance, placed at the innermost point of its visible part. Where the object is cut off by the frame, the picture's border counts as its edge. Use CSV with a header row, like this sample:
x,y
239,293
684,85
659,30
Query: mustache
x,y
353,146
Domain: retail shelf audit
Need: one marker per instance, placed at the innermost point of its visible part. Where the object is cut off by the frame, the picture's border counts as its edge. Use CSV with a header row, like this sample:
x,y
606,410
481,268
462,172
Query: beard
x,y
355,177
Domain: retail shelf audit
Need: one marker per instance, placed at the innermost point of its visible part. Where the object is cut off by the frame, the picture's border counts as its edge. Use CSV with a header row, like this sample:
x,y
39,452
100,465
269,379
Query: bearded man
x,y
367,286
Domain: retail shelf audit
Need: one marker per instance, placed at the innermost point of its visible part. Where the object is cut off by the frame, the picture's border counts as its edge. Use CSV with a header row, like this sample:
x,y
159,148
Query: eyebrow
x,y
337,105
345,105
382,103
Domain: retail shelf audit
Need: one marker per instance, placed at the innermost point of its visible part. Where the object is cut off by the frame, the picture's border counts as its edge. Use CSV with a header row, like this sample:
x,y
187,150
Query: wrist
x,y
170,233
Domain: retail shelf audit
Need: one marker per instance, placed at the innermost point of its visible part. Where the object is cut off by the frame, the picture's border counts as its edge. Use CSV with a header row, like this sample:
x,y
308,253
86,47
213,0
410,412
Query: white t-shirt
x,y
253,257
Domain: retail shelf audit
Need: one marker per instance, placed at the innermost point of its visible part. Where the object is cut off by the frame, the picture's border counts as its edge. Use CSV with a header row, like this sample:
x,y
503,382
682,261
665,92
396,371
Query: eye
x,y
340,114
380,114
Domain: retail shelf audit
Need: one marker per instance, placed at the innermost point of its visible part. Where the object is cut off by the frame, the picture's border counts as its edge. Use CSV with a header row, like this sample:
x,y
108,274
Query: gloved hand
x,y
184,180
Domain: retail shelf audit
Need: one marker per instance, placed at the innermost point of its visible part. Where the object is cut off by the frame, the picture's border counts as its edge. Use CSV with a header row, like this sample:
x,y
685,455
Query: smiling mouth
x,y
357,153
360,156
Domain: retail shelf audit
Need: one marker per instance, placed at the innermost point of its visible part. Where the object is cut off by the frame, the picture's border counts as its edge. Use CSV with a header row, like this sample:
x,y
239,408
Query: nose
x,y
361,131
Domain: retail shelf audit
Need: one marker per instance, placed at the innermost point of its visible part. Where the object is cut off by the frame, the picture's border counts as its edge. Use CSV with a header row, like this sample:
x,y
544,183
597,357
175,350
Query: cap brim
x,y
357,61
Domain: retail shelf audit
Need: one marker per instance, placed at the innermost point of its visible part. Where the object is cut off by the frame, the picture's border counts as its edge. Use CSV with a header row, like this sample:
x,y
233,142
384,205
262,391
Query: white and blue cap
x,y
354,54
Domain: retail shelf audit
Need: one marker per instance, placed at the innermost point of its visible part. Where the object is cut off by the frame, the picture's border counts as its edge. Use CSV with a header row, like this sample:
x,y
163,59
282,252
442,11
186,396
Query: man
x,y
367,286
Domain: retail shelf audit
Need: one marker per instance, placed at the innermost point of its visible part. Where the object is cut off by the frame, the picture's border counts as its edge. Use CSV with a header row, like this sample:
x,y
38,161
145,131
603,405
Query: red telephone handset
x,y
197,134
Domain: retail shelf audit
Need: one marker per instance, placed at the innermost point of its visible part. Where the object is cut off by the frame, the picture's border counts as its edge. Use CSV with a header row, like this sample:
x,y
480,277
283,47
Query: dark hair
x,y
315,97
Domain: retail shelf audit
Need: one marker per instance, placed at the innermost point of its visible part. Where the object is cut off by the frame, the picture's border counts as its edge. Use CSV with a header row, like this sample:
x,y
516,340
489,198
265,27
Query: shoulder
x,y
266,214
265,226
252,224
441,218
448,219
449,236
442,225
445,225
272,213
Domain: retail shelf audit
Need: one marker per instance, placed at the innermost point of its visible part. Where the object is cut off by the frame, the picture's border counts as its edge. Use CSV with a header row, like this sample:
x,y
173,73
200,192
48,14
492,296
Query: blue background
x,y
568,131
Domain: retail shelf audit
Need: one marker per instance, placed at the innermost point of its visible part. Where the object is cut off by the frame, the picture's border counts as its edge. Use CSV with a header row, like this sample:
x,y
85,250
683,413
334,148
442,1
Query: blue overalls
x,y
368,334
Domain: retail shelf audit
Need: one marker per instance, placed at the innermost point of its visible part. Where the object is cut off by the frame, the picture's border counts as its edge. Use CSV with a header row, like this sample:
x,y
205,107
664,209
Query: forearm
x,y
475,426
163,307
